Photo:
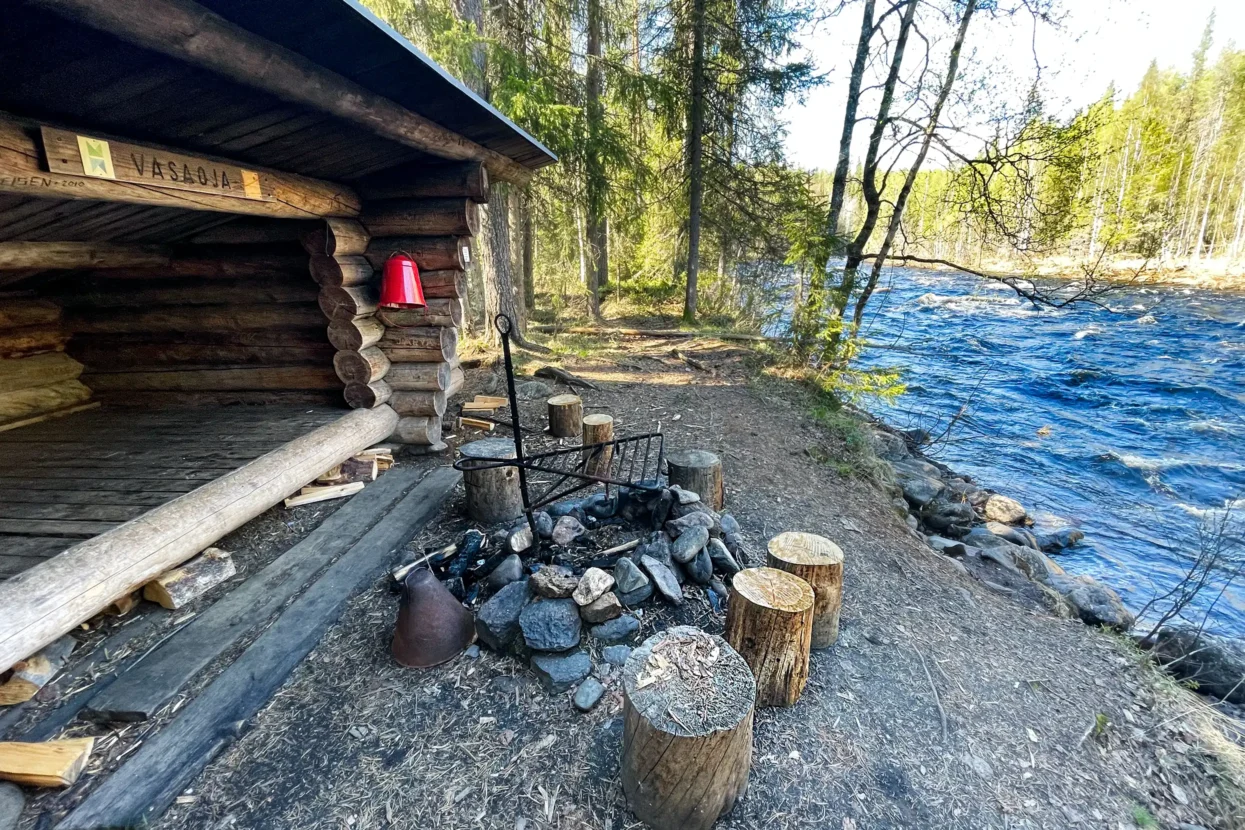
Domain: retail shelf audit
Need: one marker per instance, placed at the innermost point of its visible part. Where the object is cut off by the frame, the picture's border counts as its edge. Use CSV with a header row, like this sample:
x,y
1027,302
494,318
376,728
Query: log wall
x,y
38,379
408,359
220,323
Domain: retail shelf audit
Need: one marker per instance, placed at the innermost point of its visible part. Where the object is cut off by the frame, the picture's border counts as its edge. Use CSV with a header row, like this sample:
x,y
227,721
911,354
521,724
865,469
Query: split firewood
x,y
383,453
474,406
477,423
124,605
491,400
46,764
177,588
330,475
33,673
311,495
623,548
351,470
563,376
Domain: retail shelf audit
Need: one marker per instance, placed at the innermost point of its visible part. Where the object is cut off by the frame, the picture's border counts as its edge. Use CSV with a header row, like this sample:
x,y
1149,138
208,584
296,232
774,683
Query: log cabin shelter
x,y
195,201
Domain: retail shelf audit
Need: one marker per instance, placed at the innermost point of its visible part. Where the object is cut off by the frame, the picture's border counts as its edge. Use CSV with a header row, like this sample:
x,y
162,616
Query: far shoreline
x,y
1212,276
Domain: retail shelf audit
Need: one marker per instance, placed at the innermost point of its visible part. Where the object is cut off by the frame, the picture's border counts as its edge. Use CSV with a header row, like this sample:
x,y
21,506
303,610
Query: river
x,y
1127,422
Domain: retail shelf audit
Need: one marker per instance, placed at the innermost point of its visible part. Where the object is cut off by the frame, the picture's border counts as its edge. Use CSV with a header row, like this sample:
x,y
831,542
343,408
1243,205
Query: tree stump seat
x,y
769,621
688,703
819,562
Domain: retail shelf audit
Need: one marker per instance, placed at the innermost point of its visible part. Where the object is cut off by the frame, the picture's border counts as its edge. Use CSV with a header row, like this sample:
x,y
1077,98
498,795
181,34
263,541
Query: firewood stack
x,y
37,379
406,358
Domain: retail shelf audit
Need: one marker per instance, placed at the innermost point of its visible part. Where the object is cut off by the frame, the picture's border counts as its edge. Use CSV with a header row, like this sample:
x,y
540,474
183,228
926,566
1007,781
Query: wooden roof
x,y
59,70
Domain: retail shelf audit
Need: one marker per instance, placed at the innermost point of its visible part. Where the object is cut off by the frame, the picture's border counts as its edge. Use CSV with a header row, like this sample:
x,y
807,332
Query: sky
x,y
1101,41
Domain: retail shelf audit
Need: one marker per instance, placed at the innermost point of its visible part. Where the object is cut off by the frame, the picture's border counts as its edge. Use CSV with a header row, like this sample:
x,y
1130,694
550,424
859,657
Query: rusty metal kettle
x,y
433,627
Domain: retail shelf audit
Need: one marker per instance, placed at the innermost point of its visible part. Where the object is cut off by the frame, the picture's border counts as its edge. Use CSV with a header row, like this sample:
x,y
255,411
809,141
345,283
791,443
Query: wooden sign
x,y
81,155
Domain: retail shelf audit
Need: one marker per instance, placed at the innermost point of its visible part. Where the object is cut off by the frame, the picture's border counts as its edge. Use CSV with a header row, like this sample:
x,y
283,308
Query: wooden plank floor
x,y
68,479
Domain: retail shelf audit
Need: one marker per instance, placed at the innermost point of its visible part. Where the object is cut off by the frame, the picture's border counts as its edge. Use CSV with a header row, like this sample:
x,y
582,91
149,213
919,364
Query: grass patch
x,y
1142,817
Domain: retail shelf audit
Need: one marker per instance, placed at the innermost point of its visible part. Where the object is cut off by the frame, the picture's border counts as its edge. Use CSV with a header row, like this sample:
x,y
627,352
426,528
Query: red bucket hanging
x,y
399,285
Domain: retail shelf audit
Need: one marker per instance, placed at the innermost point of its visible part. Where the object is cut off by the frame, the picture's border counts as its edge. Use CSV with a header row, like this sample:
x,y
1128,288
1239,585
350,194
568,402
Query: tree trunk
x,y
872,195
595,184
931,126
695,159
529,252
495,261
839,187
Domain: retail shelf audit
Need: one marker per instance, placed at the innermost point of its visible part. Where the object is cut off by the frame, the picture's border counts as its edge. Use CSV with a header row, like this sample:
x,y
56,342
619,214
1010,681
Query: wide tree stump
x,y
598,429
819,562
566,416
700,472
769,621
687,729
493,494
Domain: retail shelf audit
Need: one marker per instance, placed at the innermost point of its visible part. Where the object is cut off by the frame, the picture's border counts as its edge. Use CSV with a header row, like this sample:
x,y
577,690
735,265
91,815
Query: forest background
x,y
674,194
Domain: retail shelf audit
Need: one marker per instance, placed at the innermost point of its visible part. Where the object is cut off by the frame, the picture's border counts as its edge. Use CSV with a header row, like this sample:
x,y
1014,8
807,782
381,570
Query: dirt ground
x,y
943,705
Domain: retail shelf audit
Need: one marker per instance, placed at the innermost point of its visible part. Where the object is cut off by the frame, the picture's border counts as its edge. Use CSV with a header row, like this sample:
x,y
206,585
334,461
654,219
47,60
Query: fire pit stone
x,y
617,630
559,672
554,582
603,609
690,543
497,623
550,625
592,585
627,577
664,579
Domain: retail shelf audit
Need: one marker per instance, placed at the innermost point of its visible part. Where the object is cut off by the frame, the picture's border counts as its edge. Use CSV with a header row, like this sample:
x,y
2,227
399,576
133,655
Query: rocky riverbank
x,y
989,536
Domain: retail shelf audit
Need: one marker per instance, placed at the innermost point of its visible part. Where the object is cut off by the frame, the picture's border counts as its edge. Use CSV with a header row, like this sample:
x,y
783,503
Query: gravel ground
x,y
943,705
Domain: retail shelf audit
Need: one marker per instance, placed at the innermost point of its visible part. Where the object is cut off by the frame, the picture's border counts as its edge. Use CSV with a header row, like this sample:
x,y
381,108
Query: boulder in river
x,y
1059,540
943,514
1215,664
1094,603
888,446
920,490
983,538
1003,509
1015,535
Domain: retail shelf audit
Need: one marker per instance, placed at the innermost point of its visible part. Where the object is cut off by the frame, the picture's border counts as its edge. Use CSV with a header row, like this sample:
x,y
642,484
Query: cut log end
x,y
774,589
180,586
687,737
32,674
798,548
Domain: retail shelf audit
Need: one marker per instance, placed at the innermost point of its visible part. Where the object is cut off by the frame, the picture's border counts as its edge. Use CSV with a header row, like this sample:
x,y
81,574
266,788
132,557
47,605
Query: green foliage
x,y
1142,817
628,158
1155,175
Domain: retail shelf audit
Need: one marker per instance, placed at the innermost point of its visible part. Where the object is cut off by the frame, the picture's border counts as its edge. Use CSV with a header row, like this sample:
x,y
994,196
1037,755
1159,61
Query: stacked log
x,y
233,320
37,379
349,299
428,213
